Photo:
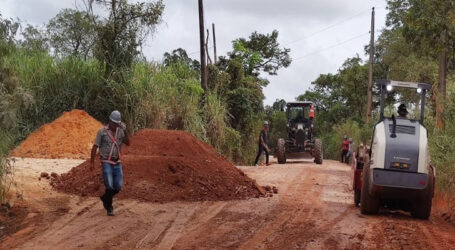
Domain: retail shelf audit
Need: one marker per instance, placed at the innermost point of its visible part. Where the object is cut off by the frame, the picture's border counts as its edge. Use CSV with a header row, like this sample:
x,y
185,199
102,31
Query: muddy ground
x,y
313,210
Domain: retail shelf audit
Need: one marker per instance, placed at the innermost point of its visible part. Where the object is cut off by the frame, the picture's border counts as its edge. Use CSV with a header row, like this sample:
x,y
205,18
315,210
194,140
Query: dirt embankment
x,y
70,136
162,166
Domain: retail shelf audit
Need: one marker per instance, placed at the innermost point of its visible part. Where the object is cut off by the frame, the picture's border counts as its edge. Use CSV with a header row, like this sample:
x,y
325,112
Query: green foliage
x,y
442,148
180,56
72,32
260,53
35,40
277,126
122,33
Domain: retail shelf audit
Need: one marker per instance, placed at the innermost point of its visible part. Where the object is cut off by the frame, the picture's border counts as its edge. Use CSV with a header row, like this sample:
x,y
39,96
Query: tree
x,y
34,39
180,56
124,30
429,28
339,97
8,31
260,53
279,105
71,32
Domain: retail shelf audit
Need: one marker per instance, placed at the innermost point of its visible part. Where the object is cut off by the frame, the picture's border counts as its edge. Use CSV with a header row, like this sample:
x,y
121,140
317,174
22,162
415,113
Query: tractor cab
x,y
300,122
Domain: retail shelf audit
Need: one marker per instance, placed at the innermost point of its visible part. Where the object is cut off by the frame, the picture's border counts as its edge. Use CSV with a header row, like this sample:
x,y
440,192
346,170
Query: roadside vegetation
x,y
95,63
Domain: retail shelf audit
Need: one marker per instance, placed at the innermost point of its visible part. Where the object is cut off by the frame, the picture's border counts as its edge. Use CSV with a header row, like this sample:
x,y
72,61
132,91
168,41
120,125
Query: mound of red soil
x,y
70,136
161,166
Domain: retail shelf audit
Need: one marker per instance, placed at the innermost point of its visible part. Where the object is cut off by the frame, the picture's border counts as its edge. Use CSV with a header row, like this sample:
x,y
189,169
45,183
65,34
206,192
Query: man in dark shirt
x,y
263,145
109,141
345,150
402,111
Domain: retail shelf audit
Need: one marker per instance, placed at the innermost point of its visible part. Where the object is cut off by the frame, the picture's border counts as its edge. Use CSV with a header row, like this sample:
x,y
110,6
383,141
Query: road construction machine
x,y
300,142
395,170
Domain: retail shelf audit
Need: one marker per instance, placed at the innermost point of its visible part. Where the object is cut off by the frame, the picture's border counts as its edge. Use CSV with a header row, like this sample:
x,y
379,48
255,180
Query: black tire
x,y
422,207
281,151
368,203
356,198
318,151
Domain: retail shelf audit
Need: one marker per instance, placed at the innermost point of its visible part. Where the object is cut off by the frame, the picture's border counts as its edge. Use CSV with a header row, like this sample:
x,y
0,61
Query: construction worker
x,y
402,111
109,141
311,112
345,149
263,144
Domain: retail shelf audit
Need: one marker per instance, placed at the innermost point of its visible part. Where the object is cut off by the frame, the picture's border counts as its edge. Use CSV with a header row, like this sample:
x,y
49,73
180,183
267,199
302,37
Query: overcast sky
x,y
320,33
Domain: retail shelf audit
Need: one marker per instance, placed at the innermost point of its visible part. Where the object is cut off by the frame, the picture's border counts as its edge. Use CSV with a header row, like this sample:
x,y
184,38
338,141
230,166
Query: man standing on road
x,y
345,150
109,141
263,145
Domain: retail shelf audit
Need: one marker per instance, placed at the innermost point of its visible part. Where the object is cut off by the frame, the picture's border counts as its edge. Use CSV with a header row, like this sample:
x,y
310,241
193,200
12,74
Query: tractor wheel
x,y
318,153
281,151
356,198
422,207
368,203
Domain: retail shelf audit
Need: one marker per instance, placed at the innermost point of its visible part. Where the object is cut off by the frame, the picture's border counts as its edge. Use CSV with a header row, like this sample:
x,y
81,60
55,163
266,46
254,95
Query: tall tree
x,y
261,53
123,31
180,56
429,28
34,39
71,32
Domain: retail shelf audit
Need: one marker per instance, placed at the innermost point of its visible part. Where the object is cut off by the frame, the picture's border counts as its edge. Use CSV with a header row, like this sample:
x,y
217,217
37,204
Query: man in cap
x,y
402,111
263,144
109,141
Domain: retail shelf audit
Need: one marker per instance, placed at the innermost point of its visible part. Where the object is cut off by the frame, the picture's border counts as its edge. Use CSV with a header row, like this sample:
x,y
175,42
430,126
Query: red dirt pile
x,y
162,166
70,136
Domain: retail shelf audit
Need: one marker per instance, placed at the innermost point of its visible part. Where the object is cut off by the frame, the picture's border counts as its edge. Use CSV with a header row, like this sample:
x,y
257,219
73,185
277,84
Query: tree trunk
x,y
441,94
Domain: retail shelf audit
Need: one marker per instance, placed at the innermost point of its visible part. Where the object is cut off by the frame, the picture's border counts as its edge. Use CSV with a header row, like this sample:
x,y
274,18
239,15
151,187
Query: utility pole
x,y
370,73
202,48
209,60
214,43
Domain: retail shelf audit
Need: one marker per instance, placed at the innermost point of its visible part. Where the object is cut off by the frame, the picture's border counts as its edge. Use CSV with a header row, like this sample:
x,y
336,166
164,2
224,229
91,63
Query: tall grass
x,y
149,95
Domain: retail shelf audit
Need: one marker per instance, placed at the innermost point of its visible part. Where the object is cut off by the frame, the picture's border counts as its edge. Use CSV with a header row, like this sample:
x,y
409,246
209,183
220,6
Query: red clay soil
x,y
70,136
162,166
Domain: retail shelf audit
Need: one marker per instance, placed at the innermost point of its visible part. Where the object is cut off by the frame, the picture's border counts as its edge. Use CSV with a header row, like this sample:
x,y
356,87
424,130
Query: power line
x,y
327,27
330,26
330,47
314,33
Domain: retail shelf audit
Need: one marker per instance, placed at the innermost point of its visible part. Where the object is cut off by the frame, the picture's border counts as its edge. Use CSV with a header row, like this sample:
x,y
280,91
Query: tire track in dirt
x,y
310,228
284,213
313,210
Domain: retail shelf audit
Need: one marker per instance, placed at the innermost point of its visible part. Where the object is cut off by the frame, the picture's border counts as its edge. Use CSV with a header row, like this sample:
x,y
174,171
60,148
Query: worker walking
x,y
345,150
263,145
109,141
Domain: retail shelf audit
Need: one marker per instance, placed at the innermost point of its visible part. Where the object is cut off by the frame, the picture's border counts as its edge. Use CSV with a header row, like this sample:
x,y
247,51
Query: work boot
x,y
110,211
103,198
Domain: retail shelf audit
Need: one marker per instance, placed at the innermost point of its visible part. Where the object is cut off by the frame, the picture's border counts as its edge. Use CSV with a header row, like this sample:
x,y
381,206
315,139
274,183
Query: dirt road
x,y
313,210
